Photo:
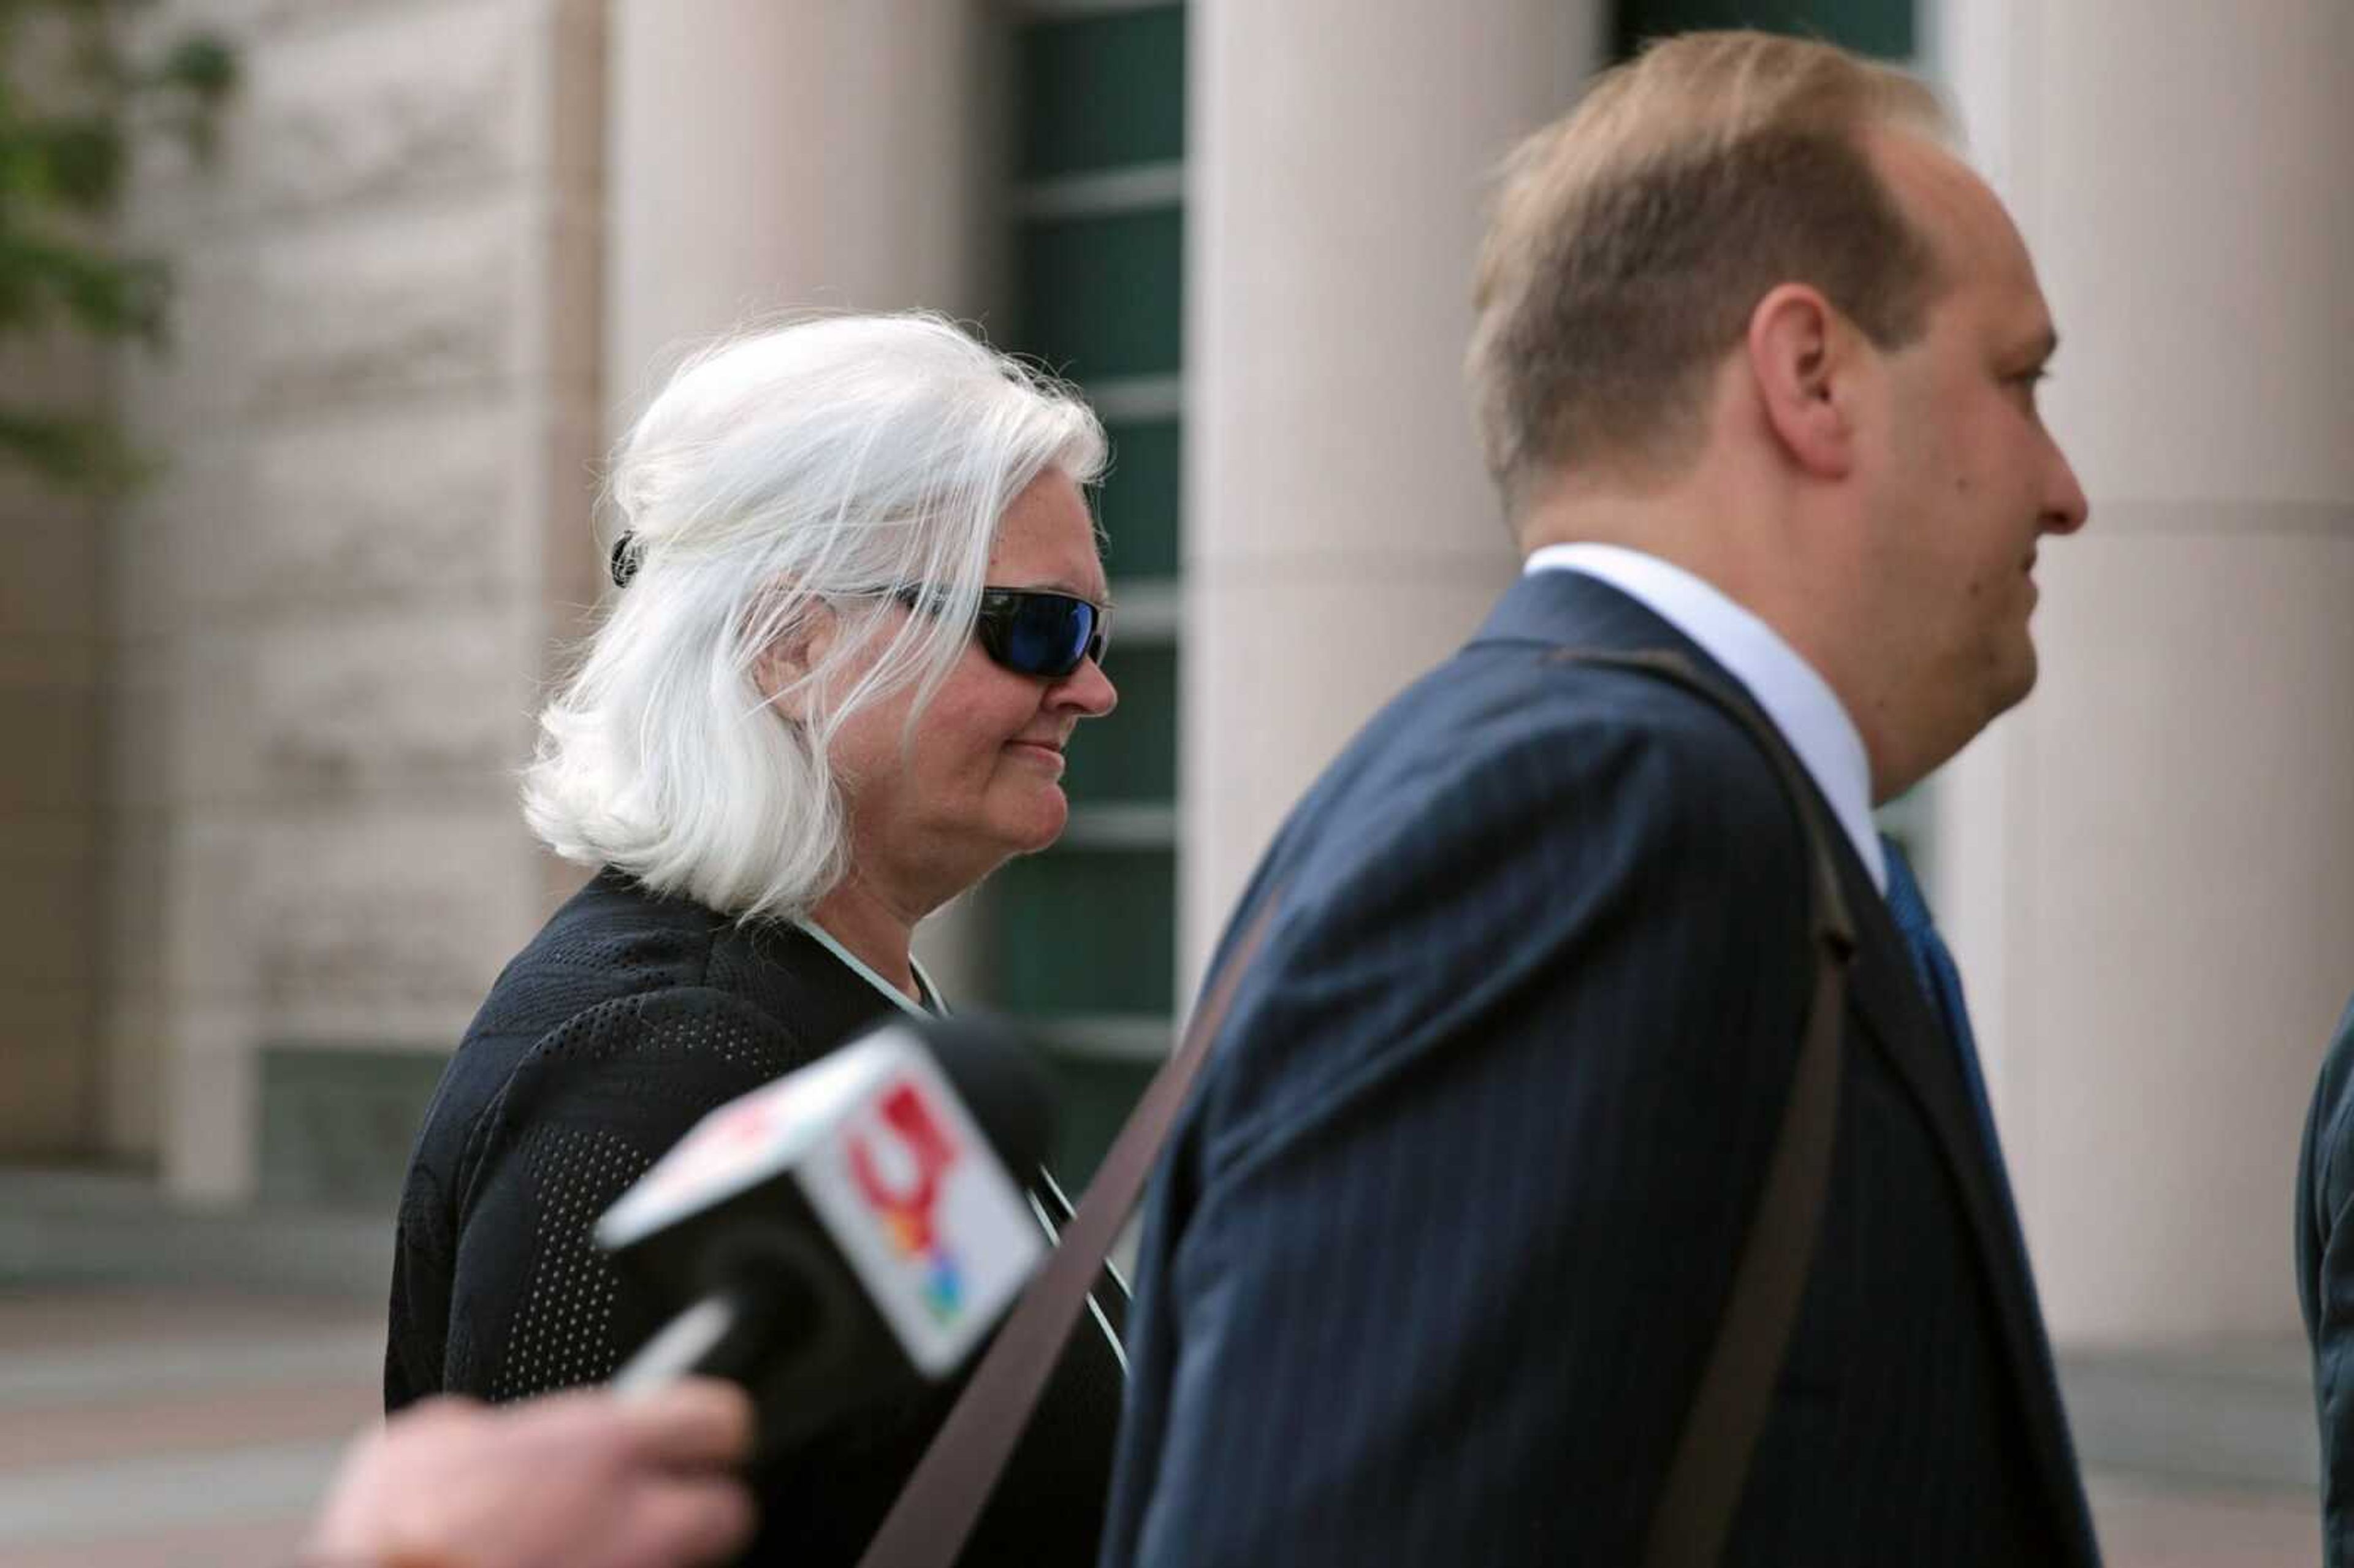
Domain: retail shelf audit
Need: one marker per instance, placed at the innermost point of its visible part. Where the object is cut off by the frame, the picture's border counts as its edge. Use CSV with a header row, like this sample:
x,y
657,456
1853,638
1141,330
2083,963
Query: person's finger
x,y
683,1522
695,1423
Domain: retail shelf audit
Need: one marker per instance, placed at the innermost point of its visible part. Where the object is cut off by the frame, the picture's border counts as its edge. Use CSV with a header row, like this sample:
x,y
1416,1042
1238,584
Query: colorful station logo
x,y
902,1182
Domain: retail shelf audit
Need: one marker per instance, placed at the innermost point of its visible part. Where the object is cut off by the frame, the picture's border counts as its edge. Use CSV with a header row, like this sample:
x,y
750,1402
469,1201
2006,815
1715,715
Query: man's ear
x,y
1803,360
783,670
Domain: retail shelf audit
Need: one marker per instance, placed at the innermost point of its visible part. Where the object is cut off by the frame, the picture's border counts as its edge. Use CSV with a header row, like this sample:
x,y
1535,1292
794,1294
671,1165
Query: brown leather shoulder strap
x,y
936,1510
1711,1464
935,1513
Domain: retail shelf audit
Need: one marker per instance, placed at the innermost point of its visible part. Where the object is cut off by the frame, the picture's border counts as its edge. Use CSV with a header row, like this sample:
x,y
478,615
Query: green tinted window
x,y
337,1123
1094,1096
1138,504
1087,931
1131,756
1882,27
1083,939
1098,92
1100,297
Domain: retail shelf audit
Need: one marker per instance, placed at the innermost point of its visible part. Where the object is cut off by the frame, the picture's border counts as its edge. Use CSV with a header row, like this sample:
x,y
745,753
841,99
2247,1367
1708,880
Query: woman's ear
x,y
783,668
1804,359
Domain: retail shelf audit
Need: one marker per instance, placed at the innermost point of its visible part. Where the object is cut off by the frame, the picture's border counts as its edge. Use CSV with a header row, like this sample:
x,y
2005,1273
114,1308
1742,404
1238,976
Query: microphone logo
x,y
899,1171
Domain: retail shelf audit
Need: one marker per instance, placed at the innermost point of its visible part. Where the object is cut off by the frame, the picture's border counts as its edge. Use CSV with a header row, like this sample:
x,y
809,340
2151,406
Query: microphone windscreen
x,y
1001,1083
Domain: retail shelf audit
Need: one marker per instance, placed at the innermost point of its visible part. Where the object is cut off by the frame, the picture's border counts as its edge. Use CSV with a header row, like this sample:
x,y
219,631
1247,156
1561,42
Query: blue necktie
x,y
1933,965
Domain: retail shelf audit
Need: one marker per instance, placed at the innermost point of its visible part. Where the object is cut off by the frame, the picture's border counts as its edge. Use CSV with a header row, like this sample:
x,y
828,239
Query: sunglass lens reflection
x,y
1049,636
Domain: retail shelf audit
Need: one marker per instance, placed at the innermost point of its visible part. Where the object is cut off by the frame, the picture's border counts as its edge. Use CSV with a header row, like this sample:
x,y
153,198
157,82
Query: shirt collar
x,y
1799,702
929,1006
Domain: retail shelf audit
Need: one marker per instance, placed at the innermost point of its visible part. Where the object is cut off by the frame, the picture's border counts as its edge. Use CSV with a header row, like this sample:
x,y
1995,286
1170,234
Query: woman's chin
x,y
1043,819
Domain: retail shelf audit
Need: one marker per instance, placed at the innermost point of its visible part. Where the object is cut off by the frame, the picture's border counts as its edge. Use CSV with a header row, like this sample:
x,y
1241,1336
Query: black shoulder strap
x,y
1711,1463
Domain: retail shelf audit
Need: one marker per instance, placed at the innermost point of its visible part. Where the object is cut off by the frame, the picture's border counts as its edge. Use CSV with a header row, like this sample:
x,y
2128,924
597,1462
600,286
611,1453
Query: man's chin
x,y
1973,698
2022,673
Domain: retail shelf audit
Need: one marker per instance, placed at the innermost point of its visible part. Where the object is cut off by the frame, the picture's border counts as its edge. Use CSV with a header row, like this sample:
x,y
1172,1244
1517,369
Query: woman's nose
x,y
1087,689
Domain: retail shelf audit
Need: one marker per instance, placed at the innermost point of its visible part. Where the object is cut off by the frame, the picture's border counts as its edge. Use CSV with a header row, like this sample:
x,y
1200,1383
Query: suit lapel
x,y
1887,1000
1564,608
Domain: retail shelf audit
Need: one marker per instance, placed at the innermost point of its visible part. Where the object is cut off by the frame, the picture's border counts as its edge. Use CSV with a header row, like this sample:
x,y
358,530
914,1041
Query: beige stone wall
x,y
330,622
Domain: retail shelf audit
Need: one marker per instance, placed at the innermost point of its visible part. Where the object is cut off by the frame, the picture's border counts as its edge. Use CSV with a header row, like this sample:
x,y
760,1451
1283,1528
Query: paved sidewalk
x,y
149,1426
2202,1455
2154,1524
175,1387
169,1428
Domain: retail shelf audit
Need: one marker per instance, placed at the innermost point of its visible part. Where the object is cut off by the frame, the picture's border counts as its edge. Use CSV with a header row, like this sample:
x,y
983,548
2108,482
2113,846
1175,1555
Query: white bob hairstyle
x,y
826,466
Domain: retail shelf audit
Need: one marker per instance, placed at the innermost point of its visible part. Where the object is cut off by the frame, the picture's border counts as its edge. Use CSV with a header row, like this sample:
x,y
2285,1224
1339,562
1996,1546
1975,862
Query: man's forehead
x,y
1977,244
1938,190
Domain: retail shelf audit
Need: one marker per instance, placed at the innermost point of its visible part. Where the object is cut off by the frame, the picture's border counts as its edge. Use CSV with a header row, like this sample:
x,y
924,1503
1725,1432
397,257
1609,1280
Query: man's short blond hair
x,y
1632,238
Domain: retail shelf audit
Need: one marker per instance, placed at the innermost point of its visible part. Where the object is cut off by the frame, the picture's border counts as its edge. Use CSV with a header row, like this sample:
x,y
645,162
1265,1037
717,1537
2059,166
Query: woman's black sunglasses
x,y
1030,631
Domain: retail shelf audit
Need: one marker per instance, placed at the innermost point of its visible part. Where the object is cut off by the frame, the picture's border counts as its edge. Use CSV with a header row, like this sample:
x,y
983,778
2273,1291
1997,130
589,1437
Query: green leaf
x,y
105,295
67,126
78,454
76,163
202,64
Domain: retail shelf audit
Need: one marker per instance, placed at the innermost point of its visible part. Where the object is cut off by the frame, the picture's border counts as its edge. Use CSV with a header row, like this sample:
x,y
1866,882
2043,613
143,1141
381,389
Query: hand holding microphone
x,y
574,1480
829,1240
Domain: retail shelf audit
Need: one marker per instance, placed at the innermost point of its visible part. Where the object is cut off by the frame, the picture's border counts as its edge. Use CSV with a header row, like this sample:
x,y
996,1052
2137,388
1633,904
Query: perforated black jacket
x,y
607,1037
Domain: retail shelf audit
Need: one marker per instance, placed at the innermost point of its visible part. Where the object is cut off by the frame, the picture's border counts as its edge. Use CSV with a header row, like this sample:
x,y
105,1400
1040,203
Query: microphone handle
x,y
711,1338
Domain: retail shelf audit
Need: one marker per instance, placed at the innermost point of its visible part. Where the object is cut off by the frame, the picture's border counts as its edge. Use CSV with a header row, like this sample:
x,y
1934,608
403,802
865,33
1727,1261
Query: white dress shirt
x,y
1799,701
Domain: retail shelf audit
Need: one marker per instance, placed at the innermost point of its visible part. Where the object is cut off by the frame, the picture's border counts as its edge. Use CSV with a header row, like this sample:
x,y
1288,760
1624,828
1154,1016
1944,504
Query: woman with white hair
x,y
861,611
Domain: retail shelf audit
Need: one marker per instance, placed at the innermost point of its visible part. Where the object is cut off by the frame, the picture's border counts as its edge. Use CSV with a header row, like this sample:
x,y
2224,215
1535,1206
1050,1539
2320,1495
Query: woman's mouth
x,y
1045,753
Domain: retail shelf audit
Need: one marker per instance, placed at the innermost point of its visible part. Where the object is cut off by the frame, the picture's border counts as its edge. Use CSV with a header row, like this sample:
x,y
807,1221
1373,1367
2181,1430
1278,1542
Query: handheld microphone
x,y
832,1236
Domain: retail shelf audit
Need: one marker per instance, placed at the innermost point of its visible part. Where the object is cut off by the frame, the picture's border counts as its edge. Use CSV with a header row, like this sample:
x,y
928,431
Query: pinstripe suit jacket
x,y
1431,1267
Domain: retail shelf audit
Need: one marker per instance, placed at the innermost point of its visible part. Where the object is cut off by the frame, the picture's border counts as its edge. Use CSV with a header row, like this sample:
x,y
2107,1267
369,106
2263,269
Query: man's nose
x,y
2067,510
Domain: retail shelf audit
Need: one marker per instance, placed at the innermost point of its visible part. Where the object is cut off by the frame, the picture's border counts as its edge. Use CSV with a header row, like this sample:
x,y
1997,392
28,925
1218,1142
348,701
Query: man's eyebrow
x,y
2044,344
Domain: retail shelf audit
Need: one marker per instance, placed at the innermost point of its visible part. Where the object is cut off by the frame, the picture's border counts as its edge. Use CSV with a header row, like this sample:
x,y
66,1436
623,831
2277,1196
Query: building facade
x,y
260,818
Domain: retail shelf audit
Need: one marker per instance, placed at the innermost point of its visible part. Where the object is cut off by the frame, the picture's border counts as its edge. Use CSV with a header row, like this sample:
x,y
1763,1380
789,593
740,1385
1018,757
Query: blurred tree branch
x,y
74,99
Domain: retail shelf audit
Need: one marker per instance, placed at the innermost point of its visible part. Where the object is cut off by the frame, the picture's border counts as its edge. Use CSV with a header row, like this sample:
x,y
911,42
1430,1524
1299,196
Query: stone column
x,y
51,626
771,156
1341,534
774,155
2148,871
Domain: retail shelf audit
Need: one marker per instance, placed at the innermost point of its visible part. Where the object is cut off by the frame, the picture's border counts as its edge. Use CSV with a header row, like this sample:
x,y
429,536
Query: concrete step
x,y
2233,1413
96,1227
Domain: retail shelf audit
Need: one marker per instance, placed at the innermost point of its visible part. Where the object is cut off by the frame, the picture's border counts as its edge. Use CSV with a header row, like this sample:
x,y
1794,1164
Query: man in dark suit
x,y
1447,1237
2325,1282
